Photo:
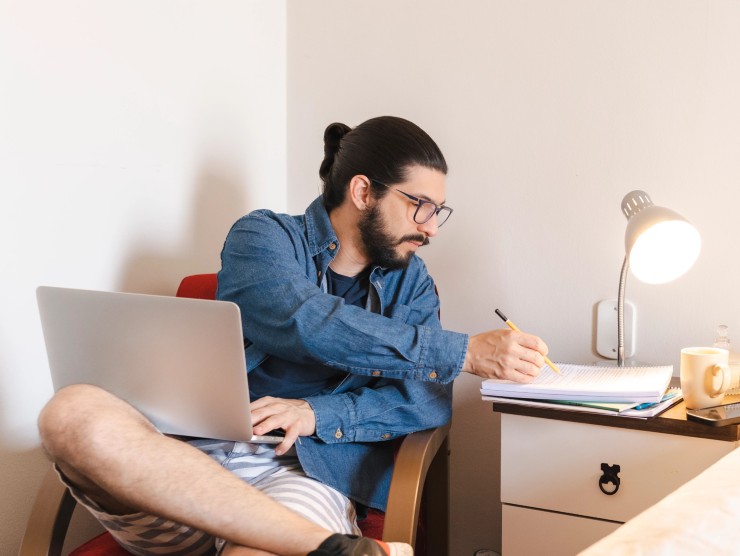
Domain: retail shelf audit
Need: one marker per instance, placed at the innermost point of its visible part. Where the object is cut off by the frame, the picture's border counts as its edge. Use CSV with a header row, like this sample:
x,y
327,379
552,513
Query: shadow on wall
x,y
219,199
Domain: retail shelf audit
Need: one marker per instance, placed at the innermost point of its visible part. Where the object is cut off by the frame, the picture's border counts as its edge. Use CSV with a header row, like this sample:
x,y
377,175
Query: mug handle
x,y
726,378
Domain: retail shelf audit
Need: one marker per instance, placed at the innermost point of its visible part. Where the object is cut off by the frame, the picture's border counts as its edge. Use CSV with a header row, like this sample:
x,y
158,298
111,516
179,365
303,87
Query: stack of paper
x,y
592,388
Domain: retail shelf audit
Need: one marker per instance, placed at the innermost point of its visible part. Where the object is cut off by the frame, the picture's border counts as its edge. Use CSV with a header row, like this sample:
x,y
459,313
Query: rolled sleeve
x,y
335,418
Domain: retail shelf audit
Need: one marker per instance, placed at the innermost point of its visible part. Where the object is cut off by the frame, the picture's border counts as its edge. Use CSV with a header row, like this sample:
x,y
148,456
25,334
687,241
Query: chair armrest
x,y
419,452
49,520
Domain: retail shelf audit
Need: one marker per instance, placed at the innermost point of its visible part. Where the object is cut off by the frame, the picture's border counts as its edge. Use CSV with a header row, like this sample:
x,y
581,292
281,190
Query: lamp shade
x,y
661,244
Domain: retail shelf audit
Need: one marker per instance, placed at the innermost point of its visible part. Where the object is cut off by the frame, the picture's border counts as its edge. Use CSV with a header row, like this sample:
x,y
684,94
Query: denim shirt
x,y
393,362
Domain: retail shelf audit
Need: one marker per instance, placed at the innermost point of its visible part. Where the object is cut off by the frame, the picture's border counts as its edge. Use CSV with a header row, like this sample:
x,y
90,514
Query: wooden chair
x,y
419,487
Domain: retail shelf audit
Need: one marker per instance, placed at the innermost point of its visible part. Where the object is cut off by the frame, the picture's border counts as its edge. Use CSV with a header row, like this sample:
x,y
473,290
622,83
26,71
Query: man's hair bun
x,y
332,141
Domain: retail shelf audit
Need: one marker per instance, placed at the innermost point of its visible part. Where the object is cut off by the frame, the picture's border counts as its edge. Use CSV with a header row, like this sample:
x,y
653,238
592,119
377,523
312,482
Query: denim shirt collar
x,y
321,235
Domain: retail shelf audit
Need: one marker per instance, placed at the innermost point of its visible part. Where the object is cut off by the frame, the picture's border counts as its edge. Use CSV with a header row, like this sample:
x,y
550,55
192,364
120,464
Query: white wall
x,y
548,114
132,135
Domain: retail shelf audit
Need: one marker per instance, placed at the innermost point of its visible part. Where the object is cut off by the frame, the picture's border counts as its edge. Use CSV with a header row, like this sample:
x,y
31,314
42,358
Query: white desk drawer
x,y
556,465
530,532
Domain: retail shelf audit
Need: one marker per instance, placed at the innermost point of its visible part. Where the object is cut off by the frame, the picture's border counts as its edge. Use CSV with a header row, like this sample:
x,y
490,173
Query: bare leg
x,y
232,550
114,454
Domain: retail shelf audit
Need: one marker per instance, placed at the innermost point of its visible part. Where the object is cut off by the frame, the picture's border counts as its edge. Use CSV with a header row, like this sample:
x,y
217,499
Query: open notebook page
x,y
588,383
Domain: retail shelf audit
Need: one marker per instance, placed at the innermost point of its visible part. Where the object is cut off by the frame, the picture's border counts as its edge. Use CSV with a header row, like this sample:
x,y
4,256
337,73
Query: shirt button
x,y
386,436
376,373
338,434
433,375
332,246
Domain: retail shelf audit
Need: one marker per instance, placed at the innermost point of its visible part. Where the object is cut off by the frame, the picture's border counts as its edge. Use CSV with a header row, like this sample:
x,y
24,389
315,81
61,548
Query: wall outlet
x,y
606,329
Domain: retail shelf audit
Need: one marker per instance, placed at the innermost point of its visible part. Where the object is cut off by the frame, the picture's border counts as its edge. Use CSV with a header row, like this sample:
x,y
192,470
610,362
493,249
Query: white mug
x,y
705,376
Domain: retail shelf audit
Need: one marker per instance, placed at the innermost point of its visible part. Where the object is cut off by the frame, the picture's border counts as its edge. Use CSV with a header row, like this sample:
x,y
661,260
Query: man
x,y
344,352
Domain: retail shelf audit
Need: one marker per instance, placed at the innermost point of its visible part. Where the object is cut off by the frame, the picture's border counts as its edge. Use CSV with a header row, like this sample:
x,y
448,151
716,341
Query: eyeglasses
x,y
424,209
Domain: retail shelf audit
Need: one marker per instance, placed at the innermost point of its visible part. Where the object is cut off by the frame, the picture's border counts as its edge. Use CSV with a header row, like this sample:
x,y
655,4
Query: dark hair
x,y
382,149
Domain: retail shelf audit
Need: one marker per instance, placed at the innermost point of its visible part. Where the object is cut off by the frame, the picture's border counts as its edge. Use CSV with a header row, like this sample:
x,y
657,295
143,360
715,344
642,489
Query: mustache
x,y
424,240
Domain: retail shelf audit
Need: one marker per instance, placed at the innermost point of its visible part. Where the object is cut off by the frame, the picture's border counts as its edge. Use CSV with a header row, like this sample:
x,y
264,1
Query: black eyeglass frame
x,y
419,203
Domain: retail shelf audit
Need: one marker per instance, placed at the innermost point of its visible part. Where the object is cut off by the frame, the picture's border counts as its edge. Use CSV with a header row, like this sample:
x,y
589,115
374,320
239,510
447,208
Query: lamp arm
x,y
620,312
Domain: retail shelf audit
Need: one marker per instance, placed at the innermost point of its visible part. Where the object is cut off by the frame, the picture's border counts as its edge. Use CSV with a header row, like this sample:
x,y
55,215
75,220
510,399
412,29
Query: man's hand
x,y
505,354
295,417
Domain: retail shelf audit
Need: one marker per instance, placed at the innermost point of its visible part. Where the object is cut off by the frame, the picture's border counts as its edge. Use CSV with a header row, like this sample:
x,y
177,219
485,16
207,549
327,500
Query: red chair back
x,y
198,286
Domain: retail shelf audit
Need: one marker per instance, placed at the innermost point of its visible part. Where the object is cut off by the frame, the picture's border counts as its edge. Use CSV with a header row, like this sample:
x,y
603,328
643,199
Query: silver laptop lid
x,y
179,361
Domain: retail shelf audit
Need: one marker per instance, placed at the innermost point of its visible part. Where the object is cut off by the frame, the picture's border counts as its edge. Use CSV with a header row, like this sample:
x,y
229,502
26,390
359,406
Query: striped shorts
x,y
279,477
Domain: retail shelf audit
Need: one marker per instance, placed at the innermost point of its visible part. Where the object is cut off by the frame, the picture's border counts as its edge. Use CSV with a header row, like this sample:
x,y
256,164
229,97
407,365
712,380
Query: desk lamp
x,y
660,245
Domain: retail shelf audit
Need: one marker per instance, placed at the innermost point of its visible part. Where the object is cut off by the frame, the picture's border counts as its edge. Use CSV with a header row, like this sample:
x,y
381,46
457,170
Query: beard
x,y
380,246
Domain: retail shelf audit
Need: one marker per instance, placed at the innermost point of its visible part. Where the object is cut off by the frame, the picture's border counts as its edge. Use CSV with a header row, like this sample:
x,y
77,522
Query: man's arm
x,y
375,413
285,312
381,412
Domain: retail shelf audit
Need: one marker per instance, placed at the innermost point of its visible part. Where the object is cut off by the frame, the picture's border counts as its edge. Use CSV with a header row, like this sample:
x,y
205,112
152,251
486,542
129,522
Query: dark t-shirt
x,y
352,288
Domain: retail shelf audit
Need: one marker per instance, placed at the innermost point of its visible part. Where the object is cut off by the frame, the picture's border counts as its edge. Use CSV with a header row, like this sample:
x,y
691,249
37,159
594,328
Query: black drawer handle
x,y
610,474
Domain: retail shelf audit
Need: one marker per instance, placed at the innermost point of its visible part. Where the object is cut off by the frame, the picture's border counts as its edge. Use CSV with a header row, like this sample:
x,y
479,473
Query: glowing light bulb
x,y
665,251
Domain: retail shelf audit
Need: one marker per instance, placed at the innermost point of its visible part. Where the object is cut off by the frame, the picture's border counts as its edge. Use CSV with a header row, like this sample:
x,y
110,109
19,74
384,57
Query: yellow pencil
x,y
516,329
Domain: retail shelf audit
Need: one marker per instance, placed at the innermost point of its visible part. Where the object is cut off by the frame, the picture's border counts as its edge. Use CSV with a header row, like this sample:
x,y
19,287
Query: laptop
x,y
179,361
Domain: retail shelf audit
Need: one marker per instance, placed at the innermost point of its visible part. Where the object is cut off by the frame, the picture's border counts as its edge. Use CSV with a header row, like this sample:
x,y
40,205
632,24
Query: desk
x,y
551,467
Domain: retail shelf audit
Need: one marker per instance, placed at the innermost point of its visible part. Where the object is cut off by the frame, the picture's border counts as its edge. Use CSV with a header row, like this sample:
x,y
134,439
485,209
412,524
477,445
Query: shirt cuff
x,y
335,418
443,355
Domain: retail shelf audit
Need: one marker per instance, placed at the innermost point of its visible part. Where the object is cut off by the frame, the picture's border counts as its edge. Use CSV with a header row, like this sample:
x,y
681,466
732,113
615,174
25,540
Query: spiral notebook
x,y
591,383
